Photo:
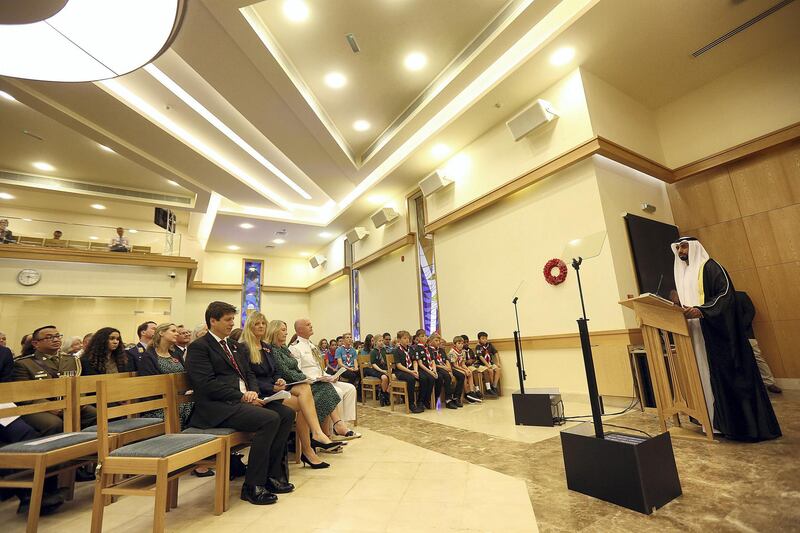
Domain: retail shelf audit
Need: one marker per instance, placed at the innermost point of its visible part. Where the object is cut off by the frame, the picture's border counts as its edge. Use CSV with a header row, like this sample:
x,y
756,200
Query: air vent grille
x,y
738,29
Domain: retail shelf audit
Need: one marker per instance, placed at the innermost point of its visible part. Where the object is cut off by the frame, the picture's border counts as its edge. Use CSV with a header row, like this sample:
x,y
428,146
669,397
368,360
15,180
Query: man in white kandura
x,y
310,360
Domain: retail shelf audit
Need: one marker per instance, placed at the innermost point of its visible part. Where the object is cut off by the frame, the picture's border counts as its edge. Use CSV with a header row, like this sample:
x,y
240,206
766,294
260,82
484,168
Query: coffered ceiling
x,y
239,105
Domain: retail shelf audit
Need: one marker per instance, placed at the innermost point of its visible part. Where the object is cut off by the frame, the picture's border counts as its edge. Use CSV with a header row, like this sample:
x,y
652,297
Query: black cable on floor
x,y
630,407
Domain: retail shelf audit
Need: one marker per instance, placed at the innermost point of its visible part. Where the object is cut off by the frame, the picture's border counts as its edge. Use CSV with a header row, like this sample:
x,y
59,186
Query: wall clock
x,y
29,277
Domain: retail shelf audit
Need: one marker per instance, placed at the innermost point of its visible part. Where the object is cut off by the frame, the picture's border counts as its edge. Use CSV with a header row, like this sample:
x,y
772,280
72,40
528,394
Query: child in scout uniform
x,y
347,356
474,364
488,359
406,368
379,369
458,362
446,377
427,369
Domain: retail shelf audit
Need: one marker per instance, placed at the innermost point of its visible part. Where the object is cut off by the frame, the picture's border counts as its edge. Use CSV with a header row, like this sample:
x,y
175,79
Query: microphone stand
x,y
588,359
518,349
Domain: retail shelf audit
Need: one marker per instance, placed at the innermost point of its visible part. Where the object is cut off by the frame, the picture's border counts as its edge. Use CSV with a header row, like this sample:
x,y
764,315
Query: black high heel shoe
x,y
307,461
331,446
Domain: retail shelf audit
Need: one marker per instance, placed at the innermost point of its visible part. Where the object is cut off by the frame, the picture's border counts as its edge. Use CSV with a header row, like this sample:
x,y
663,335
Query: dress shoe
x,y
417,409
774,388
207,473
451,405
257,495
50,503
314,466
278,486
84,473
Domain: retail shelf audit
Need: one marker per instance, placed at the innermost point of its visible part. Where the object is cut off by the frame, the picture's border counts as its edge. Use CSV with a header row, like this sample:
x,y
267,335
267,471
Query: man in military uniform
x,y
47,363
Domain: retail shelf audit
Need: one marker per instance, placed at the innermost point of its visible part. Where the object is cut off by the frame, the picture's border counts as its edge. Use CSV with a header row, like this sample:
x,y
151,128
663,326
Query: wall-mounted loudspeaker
x,y
317,260
384,216
536,115
435,181
356,234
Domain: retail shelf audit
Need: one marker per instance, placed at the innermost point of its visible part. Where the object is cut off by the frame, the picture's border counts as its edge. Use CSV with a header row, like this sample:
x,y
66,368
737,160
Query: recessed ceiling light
x,y
174,183
98,206
305,254
233,247
6,196
562,56
93,238
440,151
278,241
246,225
133,230
376,198
415,61
295,10
7,96
325,234
41,165
335,80
361,125
106,148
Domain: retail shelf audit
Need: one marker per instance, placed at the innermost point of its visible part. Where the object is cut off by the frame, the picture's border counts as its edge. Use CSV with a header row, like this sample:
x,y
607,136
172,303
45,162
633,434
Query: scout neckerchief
x,y
428,357
381,357
438,357
484,351
459,356
348,358
407,356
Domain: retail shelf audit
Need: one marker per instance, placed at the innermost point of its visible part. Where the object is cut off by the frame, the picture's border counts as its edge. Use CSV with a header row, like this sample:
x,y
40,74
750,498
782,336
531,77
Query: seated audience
x,y
458,361
310,361
226,394
236,334
26,348
331,363
488,362
106,354
47,363
366,347
446,377
426,367
198,331
304,396
347,357
182,342
3,339
323,346
159,358
145,333
407,368
74,346
5,234
57,234
378,367
6,363
120,242
473,364
387,342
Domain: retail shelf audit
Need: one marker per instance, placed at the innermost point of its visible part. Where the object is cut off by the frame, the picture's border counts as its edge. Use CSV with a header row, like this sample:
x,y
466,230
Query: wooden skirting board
x,y
611,150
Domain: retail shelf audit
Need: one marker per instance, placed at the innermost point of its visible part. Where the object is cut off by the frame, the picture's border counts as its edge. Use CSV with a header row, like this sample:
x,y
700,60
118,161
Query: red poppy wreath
x,y
548,271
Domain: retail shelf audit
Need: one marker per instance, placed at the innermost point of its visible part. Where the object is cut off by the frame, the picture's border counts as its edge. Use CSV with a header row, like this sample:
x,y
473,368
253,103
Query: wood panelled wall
x,y
747,215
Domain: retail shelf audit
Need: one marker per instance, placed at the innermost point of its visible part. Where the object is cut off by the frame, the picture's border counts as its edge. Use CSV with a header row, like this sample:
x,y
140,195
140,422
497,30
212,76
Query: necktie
x,y
231,358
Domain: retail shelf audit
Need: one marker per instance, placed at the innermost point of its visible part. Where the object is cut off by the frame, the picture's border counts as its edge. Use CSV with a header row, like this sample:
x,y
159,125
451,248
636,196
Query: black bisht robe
x,y
742,409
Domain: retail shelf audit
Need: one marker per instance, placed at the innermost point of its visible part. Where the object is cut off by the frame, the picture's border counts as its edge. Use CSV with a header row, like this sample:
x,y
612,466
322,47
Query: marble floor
x,y
473,470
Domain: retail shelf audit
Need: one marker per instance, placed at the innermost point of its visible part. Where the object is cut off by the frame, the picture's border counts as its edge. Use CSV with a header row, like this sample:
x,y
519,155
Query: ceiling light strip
x,y
535,39
132,99
189,100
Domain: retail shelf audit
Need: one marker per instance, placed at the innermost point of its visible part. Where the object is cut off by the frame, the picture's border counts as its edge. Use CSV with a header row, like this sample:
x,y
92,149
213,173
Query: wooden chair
x,y
34,460
154,465
231,439
30,241
78,245
55,243
396,386
140,249
369,384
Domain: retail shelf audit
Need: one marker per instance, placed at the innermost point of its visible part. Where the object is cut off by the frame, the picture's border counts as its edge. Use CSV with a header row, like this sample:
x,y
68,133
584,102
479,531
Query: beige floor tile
x,y
434,491
324,487
455,471
377,490
392,471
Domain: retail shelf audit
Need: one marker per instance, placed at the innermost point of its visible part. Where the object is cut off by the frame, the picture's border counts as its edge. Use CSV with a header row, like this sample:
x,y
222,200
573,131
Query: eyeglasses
x,y
49,338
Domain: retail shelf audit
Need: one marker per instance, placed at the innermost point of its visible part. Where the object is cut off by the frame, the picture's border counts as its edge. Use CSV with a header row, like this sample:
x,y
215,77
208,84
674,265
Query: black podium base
x,y
635,472
534,409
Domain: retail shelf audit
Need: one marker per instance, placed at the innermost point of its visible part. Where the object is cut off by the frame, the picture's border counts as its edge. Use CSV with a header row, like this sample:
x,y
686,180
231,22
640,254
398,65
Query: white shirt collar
x,y
217,338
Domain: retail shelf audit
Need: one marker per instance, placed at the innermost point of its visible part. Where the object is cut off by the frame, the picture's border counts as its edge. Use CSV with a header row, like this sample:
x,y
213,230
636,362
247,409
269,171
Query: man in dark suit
x,y
225,395
145,332
6,363
182,342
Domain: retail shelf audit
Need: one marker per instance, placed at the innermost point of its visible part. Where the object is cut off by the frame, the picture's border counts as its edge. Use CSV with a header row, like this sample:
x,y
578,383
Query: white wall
x,y
286,306
389,293
329,307
226,268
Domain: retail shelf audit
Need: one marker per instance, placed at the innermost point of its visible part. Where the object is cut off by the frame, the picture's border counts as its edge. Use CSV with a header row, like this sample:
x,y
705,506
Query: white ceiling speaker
x,y
435,181
536,115
317,260
356,234
384,216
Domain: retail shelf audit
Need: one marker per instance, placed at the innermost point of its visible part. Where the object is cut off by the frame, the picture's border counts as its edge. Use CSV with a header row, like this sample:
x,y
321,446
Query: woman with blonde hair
x,y
254,343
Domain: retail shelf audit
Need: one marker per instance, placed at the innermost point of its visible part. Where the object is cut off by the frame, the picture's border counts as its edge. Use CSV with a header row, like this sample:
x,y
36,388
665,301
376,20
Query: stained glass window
x,y
251,287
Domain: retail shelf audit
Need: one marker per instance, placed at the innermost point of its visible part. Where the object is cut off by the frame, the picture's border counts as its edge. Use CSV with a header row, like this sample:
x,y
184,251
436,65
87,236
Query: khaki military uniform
x,y
42,366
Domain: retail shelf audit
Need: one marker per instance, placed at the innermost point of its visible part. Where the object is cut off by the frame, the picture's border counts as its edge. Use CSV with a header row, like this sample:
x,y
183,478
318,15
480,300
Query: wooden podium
x,y
672,362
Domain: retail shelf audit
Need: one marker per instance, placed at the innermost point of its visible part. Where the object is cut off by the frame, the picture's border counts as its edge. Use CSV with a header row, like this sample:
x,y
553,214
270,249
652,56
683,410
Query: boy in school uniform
x,y
379,369
446,377
406,368
427,369
458,362
489,361
474,364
